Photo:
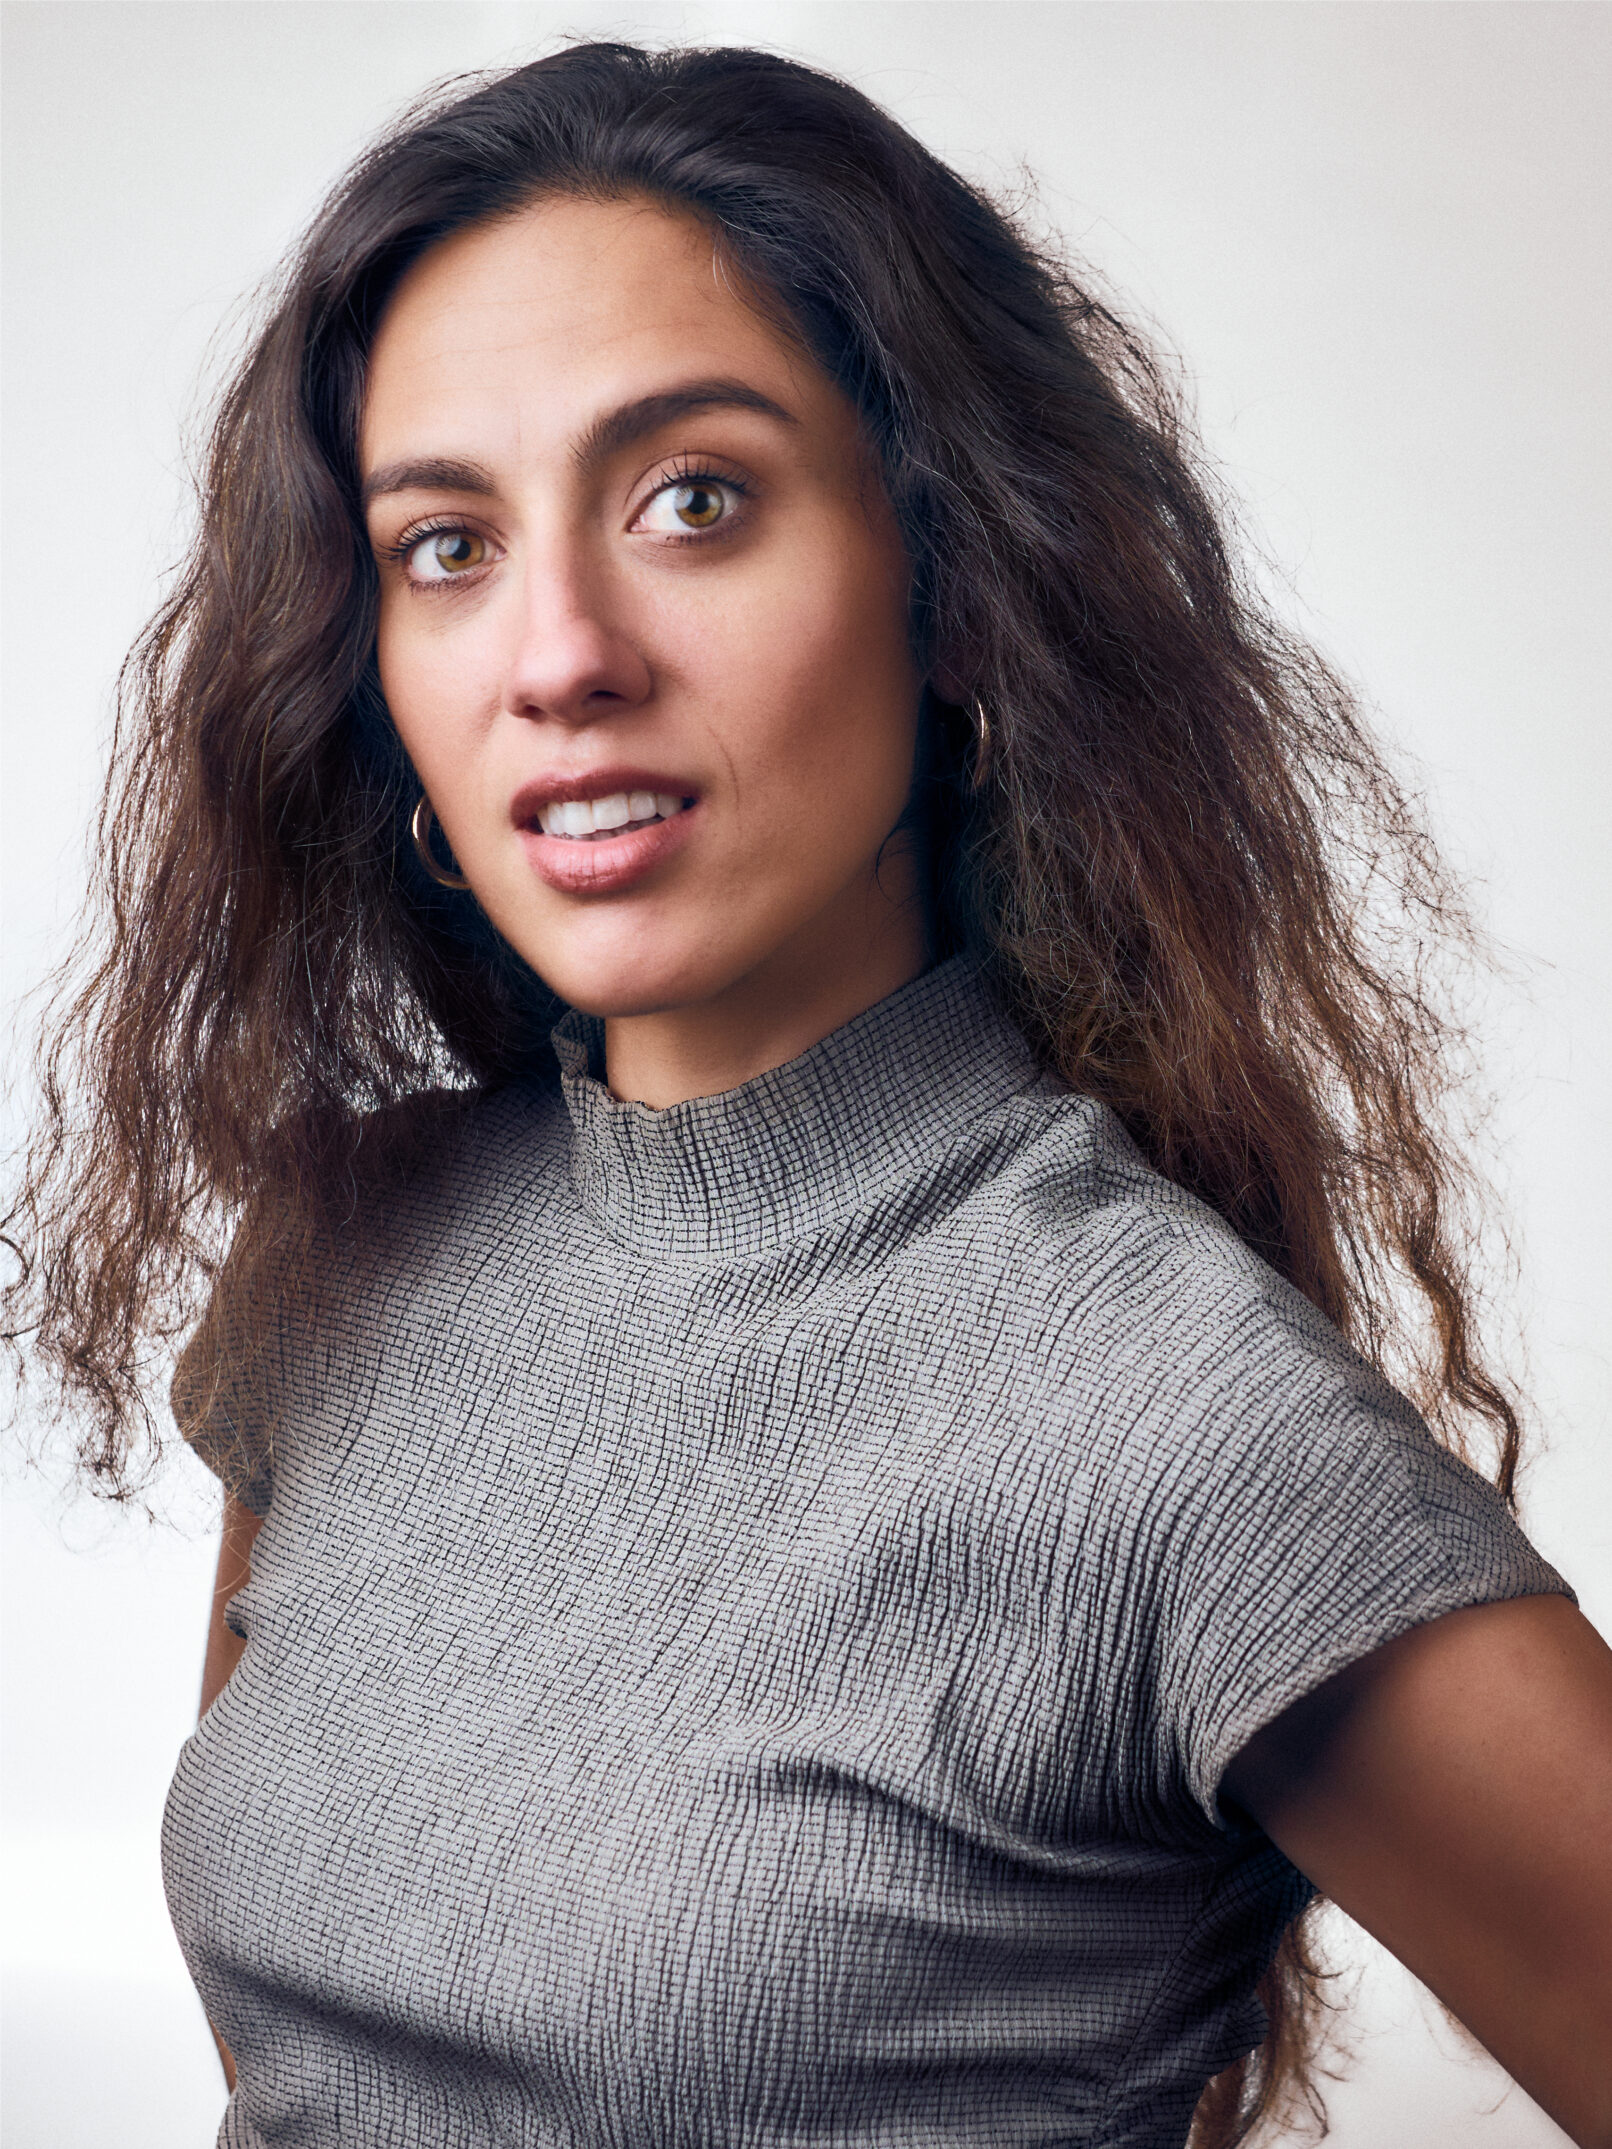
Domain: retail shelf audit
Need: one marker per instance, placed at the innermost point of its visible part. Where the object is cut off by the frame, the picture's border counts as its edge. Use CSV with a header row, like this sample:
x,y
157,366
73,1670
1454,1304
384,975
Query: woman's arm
x,y
1453,1793
224,1649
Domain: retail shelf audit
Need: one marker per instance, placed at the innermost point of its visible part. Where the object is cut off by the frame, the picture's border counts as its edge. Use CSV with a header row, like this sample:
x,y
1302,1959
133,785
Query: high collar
x,y
782,1154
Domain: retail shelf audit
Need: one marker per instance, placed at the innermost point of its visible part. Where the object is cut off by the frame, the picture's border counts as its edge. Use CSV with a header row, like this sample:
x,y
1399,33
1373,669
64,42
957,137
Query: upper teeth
x,y
586,816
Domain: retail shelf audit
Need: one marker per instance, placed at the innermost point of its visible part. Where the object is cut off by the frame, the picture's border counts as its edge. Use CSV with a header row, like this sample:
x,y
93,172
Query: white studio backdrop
x,y
1377,234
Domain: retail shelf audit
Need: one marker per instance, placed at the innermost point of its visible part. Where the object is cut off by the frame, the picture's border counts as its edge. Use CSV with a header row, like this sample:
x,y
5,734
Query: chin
x,y
614,983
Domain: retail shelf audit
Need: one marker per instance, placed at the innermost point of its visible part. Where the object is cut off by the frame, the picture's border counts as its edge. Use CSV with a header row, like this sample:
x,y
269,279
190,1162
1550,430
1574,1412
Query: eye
x,y
443,555
691,505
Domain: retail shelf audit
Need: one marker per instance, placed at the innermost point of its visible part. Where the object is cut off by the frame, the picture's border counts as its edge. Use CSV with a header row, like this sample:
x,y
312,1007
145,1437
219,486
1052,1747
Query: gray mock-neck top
x,y
755,1604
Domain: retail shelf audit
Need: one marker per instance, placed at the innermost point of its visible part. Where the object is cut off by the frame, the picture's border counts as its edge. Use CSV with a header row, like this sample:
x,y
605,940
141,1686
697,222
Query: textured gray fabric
x,y
754,1608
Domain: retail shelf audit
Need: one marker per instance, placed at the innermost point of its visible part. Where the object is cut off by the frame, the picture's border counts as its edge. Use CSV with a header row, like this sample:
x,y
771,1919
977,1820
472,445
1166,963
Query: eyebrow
x,y
431,473
607,436
619,429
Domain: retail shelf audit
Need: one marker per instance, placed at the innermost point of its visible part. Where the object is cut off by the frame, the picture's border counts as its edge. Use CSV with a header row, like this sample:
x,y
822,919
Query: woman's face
x,y
643,619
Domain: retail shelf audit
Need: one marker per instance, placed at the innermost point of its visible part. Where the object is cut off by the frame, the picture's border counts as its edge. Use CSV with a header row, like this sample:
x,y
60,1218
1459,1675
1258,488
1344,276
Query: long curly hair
x,y
1183,861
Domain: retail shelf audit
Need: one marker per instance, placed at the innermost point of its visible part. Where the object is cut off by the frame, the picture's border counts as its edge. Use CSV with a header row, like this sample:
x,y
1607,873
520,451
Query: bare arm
x,y
1453,1793
224,1649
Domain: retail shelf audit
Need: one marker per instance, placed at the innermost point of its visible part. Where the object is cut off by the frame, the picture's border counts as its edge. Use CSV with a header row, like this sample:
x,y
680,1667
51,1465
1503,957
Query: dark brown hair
x,y
1196,885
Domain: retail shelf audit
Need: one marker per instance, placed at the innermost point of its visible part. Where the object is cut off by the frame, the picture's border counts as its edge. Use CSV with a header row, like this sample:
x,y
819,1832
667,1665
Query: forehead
x,y
527,327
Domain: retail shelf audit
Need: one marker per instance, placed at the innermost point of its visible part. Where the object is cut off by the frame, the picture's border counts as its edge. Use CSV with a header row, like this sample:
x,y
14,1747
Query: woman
x,y
716,872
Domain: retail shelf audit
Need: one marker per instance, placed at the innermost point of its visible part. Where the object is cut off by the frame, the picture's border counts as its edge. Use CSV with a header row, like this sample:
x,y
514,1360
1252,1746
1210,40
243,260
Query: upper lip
x,y
531,798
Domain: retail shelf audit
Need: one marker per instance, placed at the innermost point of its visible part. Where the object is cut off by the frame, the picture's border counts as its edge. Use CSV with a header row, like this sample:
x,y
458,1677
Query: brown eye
x,y
698,505
444,554
691,504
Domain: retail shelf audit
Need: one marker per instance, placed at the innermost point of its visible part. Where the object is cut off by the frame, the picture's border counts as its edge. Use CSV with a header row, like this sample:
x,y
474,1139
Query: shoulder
x,y
437,1159
1229,1503
409,1183
1143,1340
1094,1242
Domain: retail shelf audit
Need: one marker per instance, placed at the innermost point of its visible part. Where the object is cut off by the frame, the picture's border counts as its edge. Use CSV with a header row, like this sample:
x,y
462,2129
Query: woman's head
x,y
726,202
643,623
998,444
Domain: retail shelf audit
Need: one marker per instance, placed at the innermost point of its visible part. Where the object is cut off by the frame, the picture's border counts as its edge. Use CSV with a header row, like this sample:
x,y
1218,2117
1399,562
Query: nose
x,y
572,660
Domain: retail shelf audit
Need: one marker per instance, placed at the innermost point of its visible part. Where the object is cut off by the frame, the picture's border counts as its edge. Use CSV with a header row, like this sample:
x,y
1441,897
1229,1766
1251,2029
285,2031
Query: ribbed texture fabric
x,y
755,1604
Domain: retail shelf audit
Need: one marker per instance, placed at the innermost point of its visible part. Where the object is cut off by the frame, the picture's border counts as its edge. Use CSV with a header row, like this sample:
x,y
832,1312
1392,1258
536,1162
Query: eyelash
x,y
681,470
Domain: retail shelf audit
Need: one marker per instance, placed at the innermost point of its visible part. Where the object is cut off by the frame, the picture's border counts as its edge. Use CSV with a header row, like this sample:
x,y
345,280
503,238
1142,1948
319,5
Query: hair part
x,y
1187,870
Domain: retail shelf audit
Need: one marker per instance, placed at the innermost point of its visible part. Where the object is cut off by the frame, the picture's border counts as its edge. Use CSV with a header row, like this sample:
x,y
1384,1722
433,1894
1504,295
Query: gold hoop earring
x,y
982,751
420,828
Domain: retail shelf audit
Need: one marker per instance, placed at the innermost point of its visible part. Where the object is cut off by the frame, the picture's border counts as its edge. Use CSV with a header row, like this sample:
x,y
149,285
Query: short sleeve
x,y
1280,1511
1354,1526
224,1408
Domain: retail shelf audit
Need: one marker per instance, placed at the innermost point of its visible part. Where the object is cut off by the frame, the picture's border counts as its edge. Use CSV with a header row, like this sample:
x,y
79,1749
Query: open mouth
x,y
626,829
592,820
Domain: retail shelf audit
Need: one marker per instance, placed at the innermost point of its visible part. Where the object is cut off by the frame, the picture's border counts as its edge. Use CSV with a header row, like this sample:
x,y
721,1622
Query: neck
x,y
821,979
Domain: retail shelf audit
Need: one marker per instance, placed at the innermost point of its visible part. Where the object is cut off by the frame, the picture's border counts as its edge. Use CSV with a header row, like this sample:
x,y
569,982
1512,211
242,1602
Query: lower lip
x,y
607,864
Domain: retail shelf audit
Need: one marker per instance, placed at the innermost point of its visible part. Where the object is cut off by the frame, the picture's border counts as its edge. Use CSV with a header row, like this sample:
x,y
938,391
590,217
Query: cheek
x,y
430,683
406,681
844,694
